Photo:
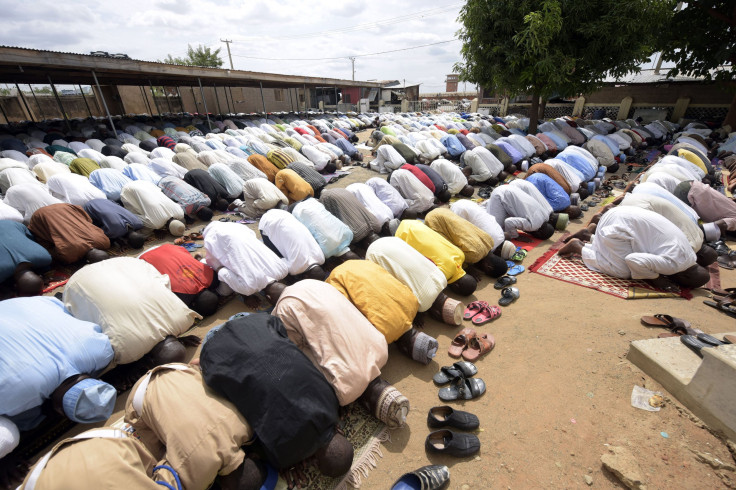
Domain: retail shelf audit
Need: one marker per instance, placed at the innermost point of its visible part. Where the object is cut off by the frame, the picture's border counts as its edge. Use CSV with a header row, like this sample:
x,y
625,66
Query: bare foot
x,y
252,301
573,247
584,234
664,283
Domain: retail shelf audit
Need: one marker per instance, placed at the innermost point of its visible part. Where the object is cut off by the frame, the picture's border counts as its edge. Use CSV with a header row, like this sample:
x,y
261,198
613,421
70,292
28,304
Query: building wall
x,y
666,94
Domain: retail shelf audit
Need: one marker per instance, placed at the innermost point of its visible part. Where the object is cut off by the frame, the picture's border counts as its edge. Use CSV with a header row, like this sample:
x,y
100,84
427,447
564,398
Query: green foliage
x,y
701,39
556,47
199,56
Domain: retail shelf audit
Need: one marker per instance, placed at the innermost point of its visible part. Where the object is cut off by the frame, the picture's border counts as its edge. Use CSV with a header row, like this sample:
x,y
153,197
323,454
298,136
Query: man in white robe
x,y
516,207
150,204
418,197
481,166
74,189
259,195
28,198
290,239
457,182
390,197
387,159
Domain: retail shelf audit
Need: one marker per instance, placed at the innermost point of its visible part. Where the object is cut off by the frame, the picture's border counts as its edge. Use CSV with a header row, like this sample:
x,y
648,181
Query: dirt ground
x,y
558,390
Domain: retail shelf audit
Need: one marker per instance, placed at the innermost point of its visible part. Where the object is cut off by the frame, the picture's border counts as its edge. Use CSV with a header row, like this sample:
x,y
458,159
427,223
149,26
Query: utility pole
x,y
227,43
352,58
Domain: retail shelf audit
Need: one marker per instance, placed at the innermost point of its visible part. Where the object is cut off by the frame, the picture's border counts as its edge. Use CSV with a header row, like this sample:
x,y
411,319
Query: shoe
x,y
432,477
445,416
452,443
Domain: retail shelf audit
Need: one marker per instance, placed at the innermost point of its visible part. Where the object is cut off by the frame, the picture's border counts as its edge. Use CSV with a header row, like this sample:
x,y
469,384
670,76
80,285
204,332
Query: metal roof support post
x,y
145,100
291,104
61,107
204,101
232,99
263,101
181,104
305,97
196,106
153,94
40,109
85,101
168,103
336,99
30,114
227,102
217,99
104,104
7,121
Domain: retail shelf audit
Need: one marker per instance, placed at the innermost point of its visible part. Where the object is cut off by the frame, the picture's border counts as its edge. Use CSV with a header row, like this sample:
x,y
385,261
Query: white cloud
x,y
296,29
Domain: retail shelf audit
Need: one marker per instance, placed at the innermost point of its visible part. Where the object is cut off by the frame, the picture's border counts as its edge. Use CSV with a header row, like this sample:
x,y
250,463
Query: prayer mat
x,y
525,241
55,279
574,271
651,155
334,177
120,250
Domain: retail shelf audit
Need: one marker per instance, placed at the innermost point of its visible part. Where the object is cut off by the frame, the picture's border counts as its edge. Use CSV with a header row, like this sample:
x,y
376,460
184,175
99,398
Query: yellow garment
x,y
692,158
83,166
474,242
384,300
293,186
293,143
434,246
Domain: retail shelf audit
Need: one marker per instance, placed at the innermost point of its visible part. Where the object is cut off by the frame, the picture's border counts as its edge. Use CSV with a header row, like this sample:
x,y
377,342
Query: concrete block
x,y
707,386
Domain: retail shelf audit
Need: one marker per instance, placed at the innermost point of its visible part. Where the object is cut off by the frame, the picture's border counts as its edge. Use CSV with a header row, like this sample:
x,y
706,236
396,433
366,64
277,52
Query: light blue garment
x,y
579,163
227,178
551,190
138,171
655,190
110,181
453,145
332,235
612,145
559,142
510,150
41,345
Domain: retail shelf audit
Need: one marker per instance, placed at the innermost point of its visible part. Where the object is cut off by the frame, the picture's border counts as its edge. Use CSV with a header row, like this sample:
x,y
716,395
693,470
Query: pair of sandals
x,y
462,384
697,343
471,346
675,326
188,238
514,269
726,256
725,300
480,313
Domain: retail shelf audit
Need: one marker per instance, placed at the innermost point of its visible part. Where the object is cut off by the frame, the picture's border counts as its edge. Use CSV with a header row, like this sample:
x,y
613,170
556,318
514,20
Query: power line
x,y
347,57
369,25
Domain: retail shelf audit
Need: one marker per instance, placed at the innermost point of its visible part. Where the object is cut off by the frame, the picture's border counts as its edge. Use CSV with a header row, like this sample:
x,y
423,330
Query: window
x,y
278,94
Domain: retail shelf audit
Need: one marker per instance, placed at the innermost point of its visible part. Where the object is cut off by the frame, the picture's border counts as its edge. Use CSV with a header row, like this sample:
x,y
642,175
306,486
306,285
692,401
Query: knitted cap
x,y
712,232
392,407
574,199
9,436
562,220
89,401
524,166
507,249
452,312
424,349
176,227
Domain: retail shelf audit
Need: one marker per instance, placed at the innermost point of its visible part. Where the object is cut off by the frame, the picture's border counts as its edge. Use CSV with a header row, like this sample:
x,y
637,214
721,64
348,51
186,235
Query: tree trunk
x,y
731,116
534,114
542,107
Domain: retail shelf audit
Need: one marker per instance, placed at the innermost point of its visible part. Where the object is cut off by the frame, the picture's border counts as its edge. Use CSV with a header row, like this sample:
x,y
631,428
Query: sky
x,y
282,34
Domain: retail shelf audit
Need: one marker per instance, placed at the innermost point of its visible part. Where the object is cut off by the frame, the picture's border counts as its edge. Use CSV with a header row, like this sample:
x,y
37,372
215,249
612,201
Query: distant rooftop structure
x,y
652,76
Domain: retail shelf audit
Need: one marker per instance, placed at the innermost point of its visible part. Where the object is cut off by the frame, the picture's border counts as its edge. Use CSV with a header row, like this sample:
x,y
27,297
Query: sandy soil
x,y
559,390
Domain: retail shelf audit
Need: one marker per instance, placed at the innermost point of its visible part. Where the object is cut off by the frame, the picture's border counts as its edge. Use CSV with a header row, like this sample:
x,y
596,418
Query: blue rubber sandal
x,y
515,270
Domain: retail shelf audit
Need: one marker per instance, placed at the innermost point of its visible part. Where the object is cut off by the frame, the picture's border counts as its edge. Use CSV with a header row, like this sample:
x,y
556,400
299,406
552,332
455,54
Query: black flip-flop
x,y
709,339
463,389
508,296
459,369
694,344
722,306
504,281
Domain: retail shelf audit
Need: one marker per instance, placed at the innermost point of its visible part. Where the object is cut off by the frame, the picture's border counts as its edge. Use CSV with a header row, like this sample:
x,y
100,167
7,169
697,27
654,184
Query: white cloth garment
x,y
10,213
483,164
388,195
150,204
241,260
292,239
664,208
318,158
9,436
387,159
418,197
425,279
370,201
636,243
15,175
45,169
664,180
73,189
28,198
516,210
131,301
571,176
476,214
259,195
451,174
164,167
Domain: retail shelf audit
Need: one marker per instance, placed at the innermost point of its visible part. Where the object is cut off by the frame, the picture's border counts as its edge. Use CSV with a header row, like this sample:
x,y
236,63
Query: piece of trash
x,y
589,395
665,435
573,421
656,401
640,398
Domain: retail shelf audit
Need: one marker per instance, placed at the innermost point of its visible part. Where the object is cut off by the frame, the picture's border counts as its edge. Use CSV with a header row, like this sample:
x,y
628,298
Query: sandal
x,y
486,314
675,325
181,239
460,342
519,254
508,296
196,236
516,270
473,309
727,306
459,369
479,346
504,281
463,389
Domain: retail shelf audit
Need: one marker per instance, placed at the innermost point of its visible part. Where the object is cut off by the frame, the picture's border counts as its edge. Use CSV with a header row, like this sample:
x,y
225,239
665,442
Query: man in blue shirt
x,y
19,256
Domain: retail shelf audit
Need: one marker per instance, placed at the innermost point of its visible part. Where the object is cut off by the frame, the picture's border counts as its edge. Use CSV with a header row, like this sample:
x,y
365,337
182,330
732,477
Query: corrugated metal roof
x,y
651,76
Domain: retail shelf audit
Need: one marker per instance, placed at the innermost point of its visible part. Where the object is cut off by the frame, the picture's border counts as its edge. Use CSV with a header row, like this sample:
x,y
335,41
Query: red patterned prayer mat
x,y
573,271
527,242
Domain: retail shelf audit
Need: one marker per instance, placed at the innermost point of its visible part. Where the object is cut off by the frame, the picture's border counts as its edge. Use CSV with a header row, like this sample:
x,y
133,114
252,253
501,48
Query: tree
x,y
199,56
701,41
555,47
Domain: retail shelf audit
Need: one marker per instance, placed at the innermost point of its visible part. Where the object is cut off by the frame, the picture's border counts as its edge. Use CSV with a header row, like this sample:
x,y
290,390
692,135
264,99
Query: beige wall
x,y
662,94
